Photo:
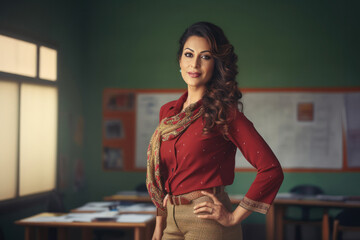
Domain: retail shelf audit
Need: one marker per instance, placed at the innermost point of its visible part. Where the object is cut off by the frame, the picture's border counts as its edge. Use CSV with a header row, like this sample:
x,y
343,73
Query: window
x,y
28,117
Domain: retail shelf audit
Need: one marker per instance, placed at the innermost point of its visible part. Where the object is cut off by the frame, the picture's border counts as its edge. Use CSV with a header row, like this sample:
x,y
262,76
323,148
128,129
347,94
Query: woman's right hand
x,y
160,223
159,228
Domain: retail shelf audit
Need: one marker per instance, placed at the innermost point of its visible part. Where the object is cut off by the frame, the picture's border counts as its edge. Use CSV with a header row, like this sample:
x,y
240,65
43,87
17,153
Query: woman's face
x,y
196,62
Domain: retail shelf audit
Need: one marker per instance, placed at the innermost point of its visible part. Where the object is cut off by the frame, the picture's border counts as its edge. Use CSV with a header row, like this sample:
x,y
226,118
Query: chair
x,y
141,188
346,220
55,202
305,219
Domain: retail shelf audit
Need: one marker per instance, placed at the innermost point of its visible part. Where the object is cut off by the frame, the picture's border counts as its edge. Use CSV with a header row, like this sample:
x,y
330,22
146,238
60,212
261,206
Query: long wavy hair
x,y
222,94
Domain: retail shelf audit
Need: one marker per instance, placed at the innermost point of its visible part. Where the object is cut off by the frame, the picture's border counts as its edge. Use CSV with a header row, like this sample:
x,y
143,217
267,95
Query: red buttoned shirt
x,y
194,161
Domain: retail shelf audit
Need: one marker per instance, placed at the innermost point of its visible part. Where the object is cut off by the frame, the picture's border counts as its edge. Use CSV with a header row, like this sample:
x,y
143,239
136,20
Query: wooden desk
x,y
275,216
40,229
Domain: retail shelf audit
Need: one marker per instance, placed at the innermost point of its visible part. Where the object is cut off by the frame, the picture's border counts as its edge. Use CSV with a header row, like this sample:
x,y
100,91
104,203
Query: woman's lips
x,y
194,74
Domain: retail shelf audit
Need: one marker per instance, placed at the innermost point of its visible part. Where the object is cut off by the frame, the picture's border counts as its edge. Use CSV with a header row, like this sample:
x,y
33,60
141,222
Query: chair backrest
x,y
308,190
349,217
55,202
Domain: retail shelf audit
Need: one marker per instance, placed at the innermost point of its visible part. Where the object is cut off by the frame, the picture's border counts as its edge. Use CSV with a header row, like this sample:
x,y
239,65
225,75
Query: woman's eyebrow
x,y
200,52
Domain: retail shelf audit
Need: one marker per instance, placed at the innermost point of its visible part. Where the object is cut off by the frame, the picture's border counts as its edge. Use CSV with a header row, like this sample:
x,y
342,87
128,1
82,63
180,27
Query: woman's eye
x,y
206,57
188,55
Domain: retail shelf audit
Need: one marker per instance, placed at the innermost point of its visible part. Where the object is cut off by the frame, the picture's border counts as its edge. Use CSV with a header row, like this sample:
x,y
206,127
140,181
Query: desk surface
x,y
25,222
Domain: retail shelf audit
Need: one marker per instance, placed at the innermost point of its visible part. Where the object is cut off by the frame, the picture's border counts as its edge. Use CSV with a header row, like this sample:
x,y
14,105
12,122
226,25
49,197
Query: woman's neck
x,y
194,95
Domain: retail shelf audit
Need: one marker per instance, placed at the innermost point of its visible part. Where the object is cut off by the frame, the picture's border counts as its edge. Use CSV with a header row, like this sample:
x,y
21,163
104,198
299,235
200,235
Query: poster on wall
x,y
304,129
118,129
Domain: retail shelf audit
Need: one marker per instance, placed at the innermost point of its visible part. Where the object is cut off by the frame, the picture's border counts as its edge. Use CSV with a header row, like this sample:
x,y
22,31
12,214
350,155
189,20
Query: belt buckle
x,y
177,200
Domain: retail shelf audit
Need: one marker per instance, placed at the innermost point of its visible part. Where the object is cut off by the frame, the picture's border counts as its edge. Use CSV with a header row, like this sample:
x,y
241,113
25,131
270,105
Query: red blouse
x,y
194,161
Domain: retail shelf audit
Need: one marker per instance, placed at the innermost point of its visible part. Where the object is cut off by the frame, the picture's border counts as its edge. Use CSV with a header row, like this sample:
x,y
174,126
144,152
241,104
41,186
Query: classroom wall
x,y
133,44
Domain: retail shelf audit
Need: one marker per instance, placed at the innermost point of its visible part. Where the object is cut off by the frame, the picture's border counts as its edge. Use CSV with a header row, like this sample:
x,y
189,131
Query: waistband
x,y
187,198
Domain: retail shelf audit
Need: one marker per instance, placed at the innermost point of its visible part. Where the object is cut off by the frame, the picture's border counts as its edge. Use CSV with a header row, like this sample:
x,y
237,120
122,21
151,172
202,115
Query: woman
x,y
191,156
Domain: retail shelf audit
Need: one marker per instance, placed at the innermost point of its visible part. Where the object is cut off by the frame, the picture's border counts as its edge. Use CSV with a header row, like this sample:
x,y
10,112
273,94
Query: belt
x,y
187,198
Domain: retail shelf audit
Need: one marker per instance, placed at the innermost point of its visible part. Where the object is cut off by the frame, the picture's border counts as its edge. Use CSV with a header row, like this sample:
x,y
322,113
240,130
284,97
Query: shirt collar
x,y
180,102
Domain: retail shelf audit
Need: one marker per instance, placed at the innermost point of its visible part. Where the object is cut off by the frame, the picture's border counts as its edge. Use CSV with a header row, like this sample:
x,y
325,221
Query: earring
x,y
180,70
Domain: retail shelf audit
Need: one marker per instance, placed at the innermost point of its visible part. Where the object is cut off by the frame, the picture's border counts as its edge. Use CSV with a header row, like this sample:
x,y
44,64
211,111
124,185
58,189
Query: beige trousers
x,y
183,223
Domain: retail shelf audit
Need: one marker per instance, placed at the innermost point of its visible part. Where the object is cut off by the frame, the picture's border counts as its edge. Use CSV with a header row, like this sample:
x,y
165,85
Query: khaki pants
x,y
183,223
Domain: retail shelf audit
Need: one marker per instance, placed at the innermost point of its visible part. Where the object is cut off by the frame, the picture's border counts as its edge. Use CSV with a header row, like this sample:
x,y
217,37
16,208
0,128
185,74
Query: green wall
x,y
133,44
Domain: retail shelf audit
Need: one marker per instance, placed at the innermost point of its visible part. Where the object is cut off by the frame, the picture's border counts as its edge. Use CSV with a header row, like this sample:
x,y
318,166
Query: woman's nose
x,y
195,62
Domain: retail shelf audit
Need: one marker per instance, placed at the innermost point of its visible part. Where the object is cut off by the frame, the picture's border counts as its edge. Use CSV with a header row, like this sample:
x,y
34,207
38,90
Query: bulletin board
x,y
308,129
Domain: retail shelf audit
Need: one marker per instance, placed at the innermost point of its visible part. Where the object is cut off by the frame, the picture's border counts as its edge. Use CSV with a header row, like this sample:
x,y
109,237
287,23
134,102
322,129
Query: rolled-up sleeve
x,y
257,152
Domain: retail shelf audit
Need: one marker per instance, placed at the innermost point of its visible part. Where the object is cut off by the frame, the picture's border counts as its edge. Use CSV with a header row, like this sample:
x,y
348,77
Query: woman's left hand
x,y
215,210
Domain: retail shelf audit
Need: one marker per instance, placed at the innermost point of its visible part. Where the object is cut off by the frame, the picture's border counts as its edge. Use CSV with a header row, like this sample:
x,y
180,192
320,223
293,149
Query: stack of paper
x,y
137,207
134,218
331,197
96,206
73,217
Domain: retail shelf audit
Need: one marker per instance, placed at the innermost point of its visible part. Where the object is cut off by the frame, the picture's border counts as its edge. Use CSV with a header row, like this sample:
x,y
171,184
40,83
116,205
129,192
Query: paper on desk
x,y
100,204
138,207
331,197
43,219
72,217
135,218
91,209
286,195
88,217
96,206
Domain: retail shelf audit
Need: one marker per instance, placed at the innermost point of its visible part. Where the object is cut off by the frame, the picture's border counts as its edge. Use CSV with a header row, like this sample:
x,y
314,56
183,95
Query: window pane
x,y
48,63
18,57
38,129
9,95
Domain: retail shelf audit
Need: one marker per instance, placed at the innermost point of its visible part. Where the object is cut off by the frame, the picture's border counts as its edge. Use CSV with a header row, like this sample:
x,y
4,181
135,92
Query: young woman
x,y
191,156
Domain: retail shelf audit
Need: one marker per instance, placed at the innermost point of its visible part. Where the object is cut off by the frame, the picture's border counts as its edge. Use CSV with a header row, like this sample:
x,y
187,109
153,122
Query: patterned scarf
x,y
168,129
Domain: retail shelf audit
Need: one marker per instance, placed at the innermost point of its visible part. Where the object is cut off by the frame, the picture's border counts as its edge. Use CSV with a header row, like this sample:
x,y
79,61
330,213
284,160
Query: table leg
x,y
62,234
86,234
279,222
138,233
270,223
336,229
30,233
325,226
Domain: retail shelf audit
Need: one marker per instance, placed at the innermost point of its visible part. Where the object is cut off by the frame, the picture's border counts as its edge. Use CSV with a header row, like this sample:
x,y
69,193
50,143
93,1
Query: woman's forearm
x,y
240,214
161,221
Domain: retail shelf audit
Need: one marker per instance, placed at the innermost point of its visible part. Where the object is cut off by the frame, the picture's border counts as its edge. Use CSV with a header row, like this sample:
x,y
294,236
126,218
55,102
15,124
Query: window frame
x,y
11,204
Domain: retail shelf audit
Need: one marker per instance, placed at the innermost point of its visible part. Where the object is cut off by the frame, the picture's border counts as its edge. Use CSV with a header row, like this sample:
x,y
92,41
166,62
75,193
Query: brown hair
x,y
222,93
